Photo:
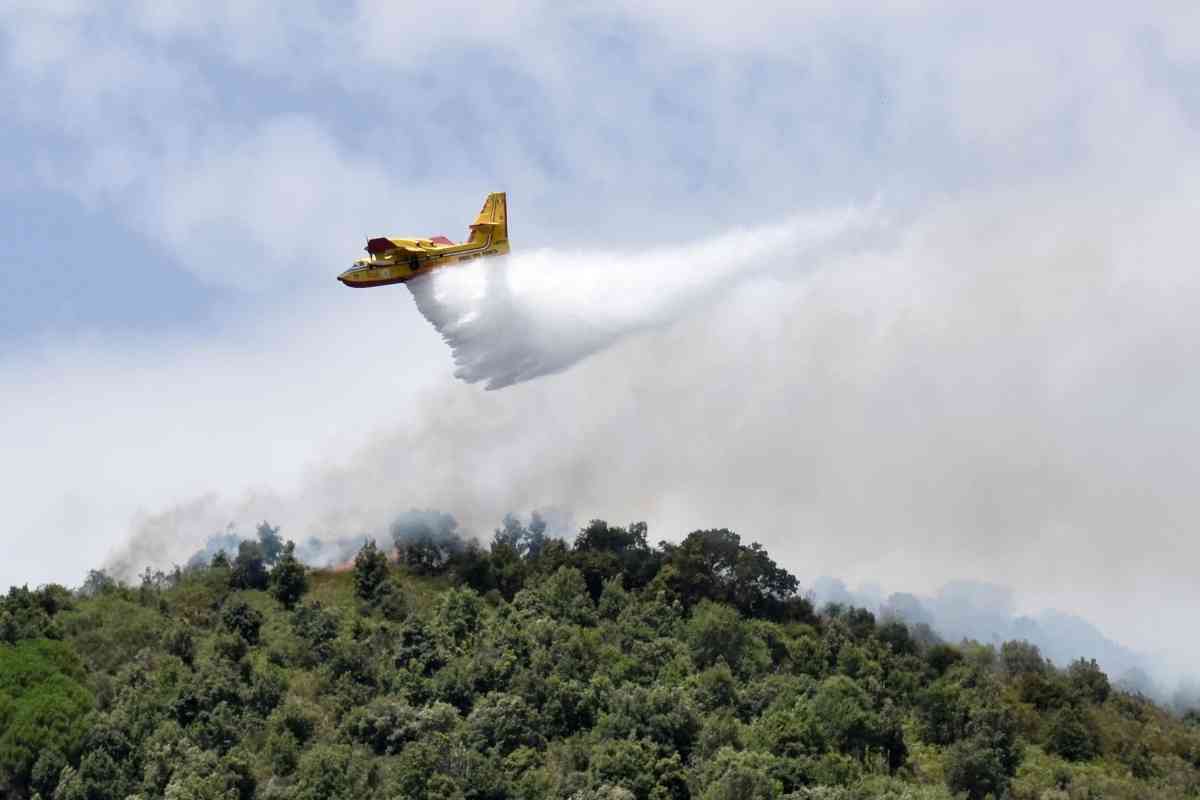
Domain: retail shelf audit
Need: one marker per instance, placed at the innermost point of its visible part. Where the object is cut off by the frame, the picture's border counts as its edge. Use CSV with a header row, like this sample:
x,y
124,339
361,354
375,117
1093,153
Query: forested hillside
x,y
606,668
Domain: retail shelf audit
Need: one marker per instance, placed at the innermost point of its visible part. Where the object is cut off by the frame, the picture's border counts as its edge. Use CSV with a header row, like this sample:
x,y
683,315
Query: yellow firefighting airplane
x,y
398,260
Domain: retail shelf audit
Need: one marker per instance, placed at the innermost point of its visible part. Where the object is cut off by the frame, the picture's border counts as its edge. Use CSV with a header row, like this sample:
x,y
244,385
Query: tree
x,y
269,542
733,775
973,767
715,565
503,722
602,551
844,716
289,578
942,712
659,714
1088,682
941,657
26,614
565,596
242,619
46,770
507,571
370,571
179,642
249,568
459,613
426,540
985,761
98,582
43,706
535,536
716,632
317,628
1022,658
1071,735
894,633
511,533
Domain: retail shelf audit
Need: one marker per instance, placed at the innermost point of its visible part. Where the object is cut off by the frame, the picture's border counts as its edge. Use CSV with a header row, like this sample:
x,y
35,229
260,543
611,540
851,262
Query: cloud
x,y
278,205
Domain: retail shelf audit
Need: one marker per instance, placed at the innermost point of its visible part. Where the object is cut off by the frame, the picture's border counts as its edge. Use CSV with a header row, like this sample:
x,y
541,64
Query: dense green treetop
x,y
606,668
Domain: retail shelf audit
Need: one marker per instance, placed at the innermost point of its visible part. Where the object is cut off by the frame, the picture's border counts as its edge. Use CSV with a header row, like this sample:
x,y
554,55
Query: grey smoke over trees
x,y
988,613
976,397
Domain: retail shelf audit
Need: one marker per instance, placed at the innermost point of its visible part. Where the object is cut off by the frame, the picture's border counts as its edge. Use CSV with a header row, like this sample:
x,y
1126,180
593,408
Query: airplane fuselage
x,y
398,260
411,260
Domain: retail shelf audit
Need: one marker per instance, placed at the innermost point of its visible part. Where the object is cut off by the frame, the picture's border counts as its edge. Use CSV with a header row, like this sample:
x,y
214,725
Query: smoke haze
x,y
972,401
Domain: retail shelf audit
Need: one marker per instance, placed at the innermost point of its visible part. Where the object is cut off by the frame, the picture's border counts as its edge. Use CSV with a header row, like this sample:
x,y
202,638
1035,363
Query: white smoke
x,y
518,317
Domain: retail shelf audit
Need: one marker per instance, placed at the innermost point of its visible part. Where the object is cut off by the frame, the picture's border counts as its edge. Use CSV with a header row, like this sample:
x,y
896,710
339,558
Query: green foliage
x,y
942,712
661,715
26,614
941,657
715,565
426,541
179,641
459,614
895,635
984,762
370,571
289,578
846,719
1044,690
734,775
269,543
1071,735
46,770
1087,681
502,722
188,772
249,568
1022,658
387,725
717,633
110,630
44,708
607,669
241,618
316,627
566,598
976,769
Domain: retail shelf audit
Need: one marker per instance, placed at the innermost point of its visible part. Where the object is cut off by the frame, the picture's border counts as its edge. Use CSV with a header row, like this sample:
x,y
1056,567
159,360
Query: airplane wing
x,y
380,245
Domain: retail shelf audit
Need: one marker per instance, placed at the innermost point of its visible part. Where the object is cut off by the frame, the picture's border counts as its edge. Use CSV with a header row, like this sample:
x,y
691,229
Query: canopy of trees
x,y
533,667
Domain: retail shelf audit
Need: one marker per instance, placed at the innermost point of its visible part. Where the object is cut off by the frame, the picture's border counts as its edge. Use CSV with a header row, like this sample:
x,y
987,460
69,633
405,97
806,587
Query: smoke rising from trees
x,y
992,394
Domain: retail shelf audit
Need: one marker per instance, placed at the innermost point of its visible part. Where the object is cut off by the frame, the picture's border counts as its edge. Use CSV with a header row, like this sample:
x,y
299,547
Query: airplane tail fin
x,y
492,219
